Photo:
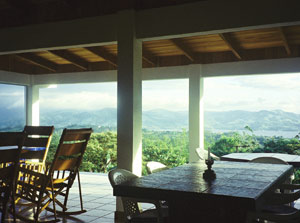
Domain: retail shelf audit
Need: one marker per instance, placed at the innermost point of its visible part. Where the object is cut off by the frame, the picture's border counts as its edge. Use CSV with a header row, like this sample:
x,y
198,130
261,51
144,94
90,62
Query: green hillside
x,y
160,120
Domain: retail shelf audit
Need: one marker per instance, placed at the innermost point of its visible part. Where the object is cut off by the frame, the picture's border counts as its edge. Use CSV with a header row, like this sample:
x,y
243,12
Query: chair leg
x,y
66,198
14,208
4,206
3,214
53,199
80,193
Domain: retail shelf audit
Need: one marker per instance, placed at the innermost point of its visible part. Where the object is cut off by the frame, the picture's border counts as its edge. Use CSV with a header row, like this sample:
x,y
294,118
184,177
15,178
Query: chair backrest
x,y
9,159
271,160
153,167
14,140
203,154
118,176
70,150
38,137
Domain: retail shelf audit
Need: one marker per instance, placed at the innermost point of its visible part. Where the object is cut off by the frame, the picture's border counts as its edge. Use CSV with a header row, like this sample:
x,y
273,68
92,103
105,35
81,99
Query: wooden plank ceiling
x,y
271,43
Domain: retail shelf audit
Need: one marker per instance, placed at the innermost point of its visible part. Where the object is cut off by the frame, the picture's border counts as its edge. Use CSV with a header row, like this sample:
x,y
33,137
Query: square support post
x,y
32,105
129,111
129,129
196,112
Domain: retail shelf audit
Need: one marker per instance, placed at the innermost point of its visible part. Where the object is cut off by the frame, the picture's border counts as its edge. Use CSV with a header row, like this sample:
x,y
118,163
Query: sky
x,y
11,96
252,93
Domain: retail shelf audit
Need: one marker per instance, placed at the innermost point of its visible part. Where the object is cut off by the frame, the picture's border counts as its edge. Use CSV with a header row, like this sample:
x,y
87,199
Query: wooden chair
x,y
132,209
36,145
9,159
272,160
153,167
42,189
278,206
279,211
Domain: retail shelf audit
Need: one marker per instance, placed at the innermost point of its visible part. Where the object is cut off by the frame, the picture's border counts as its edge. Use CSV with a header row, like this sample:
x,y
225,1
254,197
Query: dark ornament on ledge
x,y
209,174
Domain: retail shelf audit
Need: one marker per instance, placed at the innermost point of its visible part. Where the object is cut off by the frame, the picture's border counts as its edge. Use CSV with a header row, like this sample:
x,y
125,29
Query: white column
x,y
32,105
129,119
196,112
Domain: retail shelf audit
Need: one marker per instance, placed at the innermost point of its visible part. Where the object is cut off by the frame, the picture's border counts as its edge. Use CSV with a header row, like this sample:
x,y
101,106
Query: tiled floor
x,y
97,200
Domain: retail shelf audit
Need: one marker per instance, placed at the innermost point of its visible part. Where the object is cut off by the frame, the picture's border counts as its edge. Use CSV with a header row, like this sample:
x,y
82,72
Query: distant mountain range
x,y
161,119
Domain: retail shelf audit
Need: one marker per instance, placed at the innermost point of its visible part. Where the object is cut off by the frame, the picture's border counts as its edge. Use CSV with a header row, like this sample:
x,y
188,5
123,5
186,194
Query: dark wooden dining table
x,y
293,160
239,187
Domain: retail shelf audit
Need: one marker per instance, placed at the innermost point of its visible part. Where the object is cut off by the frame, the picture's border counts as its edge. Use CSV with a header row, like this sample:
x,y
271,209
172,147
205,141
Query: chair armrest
x,y
289,187
279,218
33,165
282,198
31,176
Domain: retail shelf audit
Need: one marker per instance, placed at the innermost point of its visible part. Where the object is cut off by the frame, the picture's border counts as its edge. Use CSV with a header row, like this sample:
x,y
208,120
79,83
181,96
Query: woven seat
x,y
132,209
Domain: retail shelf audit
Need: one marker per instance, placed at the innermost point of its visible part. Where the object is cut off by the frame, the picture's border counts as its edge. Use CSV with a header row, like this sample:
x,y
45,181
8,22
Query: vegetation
x,y
171,147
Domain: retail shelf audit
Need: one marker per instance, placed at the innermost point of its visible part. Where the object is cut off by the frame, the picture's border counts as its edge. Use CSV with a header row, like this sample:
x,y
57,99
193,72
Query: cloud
x,y
164,102
12,94
19,103
83,100
221,93
253,93
271,82
166,94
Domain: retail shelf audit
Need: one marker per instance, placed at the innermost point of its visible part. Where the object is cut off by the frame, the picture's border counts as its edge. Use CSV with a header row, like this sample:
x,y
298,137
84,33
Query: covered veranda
x,y
192,40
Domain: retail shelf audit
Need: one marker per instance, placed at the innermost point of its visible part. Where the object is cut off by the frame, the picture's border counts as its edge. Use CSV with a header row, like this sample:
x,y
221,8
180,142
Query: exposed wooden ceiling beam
x,y
183,48
75,60
284,41
145,58
39,61
229,42
101,52
148,57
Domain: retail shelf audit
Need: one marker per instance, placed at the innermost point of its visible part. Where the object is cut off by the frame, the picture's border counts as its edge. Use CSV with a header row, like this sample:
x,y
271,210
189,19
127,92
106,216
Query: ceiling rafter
x,y
38,61
101,52
284,41
75,60
230,43
148,57
148,60
183,48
